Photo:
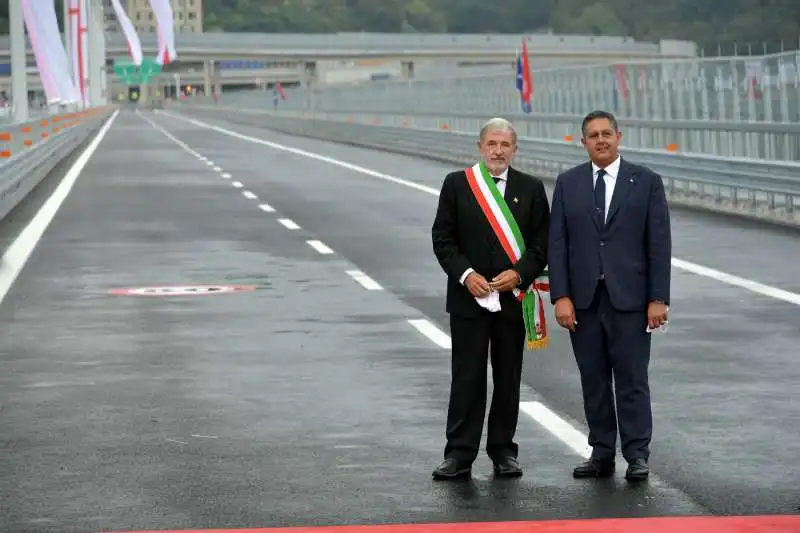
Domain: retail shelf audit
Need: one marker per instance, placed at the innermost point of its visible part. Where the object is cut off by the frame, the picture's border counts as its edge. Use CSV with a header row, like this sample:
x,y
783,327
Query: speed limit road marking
x,y
182,290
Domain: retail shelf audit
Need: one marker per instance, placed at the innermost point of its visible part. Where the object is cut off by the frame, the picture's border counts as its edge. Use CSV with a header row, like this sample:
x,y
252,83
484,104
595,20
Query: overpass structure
x,y
398,46
314,59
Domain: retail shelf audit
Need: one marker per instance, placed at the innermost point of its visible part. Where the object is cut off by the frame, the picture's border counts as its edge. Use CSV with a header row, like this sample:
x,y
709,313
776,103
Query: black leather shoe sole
x,y
507,473
637,476
462,472
598,472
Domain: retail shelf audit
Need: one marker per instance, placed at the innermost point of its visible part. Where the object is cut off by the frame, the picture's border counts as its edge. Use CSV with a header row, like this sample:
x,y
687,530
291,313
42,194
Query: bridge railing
x,y
30,150
767,190
731,107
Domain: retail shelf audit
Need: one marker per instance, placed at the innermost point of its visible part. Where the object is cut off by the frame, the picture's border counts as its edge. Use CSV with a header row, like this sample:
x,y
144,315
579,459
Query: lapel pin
x,y
516,200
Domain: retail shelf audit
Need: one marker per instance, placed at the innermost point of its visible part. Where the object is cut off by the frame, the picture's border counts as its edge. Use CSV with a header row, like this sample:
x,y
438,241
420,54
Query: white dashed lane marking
x,y
320,247
365,281
249,195
288,223
426,327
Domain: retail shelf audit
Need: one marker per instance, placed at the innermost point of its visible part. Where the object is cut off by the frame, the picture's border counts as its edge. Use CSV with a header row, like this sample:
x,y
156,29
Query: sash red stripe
x,y
473,183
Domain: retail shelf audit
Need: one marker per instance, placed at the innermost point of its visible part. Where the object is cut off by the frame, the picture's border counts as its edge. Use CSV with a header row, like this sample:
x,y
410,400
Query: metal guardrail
x,y
763,190
29,151
739,106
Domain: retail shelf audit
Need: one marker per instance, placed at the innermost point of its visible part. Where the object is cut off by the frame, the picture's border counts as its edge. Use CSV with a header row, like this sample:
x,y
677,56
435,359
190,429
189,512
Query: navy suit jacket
x,y
632,250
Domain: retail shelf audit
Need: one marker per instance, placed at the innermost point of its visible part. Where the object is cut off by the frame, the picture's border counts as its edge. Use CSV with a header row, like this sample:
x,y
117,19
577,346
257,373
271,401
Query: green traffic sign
x,y
130,74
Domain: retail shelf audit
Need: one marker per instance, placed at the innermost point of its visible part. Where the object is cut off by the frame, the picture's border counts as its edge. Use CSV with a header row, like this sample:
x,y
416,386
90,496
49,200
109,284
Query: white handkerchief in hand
x,y
491,302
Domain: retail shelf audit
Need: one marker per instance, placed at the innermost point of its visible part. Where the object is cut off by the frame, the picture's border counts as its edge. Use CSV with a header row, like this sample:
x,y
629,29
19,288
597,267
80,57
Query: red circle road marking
x,y
690,524
182,290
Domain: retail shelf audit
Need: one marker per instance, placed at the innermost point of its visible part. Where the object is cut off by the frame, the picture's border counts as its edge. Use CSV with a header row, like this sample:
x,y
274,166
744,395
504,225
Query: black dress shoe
x,y
595,468
637,470
507,467
451,468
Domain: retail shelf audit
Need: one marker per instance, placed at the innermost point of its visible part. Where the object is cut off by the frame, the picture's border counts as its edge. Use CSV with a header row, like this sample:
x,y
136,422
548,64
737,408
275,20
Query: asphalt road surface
x,y
215,331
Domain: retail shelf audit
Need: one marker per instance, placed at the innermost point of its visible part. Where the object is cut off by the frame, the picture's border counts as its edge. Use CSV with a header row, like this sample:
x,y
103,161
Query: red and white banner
x,y
166,30
79,52
134,44
48,49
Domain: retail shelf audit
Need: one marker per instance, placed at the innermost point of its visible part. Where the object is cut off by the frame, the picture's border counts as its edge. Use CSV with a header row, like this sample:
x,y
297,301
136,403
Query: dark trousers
x,y
612,345
474,340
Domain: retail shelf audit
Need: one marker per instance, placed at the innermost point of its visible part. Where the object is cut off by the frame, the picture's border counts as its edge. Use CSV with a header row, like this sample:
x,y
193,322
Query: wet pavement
x,y
306,398
724,377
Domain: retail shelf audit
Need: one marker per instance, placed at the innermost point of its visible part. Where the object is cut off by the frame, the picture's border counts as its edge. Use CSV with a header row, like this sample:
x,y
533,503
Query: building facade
x,y
188,15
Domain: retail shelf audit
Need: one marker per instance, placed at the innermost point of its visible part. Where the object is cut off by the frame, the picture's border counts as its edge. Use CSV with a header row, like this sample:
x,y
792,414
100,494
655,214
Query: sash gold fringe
x,y
538,344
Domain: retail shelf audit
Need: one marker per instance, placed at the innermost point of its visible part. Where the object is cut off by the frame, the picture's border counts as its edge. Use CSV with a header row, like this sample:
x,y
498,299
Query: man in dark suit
x,y
609,263
482,280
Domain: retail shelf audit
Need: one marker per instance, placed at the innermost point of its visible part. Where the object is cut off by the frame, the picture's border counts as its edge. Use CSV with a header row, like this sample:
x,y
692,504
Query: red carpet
x,y
701,524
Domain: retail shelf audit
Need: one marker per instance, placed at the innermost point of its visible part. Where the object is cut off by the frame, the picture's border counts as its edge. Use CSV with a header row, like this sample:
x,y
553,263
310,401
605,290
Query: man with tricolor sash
x,y
490,238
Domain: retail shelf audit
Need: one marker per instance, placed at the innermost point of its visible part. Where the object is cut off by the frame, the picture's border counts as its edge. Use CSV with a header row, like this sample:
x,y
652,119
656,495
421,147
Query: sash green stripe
x,y
512,223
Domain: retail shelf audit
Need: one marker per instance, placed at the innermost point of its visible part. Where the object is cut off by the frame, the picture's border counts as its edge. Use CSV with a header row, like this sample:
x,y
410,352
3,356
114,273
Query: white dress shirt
x,y
610,179
501,186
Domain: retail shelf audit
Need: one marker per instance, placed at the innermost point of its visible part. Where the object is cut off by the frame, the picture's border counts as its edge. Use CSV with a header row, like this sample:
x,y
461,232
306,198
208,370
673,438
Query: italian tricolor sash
x,y
498,214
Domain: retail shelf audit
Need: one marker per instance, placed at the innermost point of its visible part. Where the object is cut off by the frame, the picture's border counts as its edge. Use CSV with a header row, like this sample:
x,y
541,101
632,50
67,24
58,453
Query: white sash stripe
x,y
498,213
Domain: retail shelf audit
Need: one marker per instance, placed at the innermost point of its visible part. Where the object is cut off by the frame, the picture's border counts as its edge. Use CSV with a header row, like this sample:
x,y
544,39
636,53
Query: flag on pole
x,y
524,79
277,91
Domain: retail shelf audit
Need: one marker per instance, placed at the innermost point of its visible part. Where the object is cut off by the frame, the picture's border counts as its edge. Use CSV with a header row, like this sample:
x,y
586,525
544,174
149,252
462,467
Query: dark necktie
x,y
600,197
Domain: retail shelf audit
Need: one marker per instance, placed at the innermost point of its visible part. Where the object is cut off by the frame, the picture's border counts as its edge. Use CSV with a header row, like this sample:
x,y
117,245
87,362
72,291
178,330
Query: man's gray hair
x,y
498,124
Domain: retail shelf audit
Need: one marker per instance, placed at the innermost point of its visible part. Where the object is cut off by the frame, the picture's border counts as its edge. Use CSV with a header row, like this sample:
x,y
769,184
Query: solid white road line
x,y
723,277
17,254
426,327
311,155
289,223
558,427
266,208
171,136
249,195
730,279
365,281
320,247
549,420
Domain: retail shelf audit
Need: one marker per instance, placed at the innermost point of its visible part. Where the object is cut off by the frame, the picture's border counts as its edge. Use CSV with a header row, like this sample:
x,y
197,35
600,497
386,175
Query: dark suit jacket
x,y
463,238
634,246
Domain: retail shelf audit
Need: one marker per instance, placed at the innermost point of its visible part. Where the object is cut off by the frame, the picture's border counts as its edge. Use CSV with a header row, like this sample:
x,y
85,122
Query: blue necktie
x,y
600,197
